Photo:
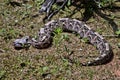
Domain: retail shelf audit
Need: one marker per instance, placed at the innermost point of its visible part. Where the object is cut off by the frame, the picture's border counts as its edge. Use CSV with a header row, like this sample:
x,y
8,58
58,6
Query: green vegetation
x,y
118,32
62,60
8,34
58,36
86,40
2,74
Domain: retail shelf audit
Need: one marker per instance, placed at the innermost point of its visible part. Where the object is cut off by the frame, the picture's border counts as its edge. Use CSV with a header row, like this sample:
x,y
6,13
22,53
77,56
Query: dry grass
x,y
51,63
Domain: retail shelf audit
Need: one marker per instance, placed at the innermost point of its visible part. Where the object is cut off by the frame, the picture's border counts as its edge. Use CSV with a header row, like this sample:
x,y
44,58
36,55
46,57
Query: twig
x,y
110,35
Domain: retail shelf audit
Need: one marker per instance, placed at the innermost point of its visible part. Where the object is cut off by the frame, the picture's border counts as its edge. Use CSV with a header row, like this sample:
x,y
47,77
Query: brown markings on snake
x,y
45,38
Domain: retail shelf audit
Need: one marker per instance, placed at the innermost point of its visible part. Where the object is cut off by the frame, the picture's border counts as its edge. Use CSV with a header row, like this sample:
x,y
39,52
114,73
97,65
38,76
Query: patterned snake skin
x,y
47,5
45,38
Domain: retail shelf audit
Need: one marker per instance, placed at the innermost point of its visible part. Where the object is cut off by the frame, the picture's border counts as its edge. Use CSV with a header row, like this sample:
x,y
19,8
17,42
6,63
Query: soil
x,y
20,18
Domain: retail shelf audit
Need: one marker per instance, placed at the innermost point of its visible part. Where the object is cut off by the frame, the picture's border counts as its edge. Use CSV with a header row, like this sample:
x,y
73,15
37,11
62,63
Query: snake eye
x,y
26,39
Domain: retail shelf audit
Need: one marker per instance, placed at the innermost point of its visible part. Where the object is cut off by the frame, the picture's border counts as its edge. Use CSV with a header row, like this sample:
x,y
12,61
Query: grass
x,y
62,60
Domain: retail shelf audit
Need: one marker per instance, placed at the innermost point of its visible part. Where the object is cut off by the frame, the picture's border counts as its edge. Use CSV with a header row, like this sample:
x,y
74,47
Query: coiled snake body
x,y
45,38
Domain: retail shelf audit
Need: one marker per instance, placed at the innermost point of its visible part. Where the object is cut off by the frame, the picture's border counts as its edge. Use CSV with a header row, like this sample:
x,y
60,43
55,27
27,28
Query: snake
x,y
45,37
47,5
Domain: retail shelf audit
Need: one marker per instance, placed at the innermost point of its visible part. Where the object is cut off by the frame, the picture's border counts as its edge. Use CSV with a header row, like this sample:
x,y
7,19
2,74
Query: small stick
x,y
110,35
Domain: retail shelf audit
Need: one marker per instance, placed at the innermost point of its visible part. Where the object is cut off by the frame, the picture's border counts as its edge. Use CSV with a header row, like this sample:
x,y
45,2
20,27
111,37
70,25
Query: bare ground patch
x,y
52,63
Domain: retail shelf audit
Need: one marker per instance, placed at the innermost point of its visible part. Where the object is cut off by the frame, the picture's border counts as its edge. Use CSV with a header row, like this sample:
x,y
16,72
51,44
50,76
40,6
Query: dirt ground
x,y
21,18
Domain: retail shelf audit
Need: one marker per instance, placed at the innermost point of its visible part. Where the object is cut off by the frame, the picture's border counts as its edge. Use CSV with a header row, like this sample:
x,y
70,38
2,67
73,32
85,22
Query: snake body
x,y
45,38
47,5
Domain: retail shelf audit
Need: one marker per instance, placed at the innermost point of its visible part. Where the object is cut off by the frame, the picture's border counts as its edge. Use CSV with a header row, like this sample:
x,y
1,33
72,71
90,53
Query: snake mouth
x,y
19,46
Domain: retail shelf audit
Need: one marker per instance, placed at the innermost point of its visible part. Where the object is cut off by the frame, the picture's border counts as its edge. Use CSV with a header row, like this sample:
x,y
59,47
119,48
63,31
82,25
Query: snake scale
x,y
47,5
74,25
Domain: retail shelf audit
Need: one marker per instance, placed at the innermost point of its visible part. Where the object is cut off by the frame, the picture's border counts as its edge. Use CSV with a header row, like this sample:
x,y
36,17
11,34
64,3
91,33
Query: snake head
x,y
22,43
